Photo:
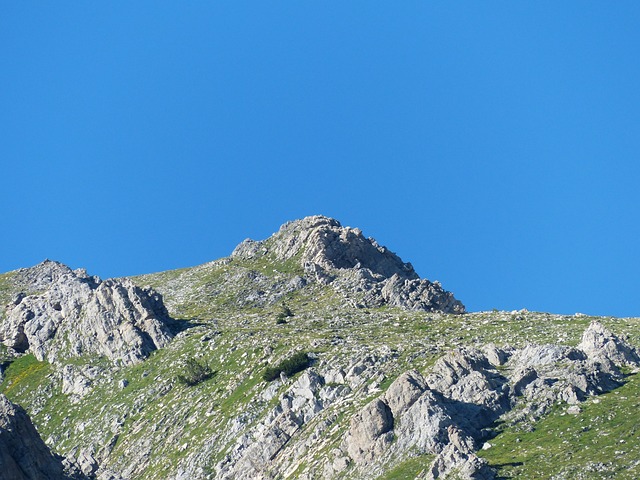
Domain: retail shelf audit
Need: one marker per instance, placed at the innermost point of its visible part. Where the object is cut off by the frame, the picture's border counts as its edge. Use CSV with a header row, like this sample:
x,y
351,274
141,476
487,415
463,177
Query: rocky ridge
x,y
365,272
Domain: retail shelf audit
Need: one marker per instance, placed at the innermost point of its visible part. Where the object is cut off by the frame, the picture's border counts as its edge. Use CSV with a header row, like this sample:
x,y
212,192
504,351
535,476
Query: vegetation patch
x,y
20,371
195,372
411,468
289,367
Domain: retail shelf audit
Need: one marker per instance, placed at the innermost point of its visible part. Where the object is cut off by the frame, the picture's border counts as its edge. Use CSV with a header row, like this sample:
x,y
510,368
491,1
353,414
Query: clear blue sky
x,y
495,145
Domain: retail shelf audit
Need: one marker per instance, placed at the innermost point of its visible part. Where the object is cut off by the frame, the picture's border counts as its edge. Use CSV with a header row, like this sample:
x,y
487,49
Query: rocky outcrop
x,y
458,456
361,269
370,432
298,405
69,313
599,343
447,412
419,294
23,454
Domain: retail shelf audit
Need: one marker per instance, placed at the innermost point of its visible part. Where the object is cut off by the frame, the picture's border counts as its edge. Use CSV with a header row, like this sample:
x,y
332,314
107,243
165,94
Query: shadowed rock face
x,y
23,454
69,313
364,271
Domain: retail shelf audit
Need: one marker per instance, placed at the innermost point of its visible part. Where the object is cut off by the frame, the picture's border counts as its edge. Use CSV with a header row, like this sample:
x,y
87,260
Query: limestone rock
x,y
423,426
457,456
478,393
77,315
598,343
419,294
305,398
544,374
404,391
23,454
370,432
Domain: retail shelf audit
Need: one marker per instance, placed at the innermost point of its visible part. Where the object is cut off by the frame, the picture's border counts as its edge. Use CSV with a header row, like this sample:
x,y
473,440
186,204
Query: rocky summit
x,y
313,354
367,274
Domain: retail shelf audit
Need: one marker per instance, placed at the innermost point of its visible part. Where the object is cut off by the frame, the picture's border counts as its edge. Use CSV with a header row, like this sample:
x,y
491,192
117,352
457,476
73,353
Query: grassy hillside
x,y
145,410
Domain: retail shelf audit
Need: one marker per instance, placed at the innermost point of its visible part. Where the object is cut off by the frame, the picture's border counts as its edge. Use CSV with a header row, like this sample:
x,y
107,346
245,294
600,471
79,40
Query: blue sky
x,y
495,145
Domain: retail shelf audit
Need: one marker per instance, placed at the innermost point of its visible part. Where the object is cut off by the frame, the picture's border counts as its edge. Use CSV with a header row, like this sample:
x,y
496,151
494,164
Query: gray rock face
x,y
357,266
478,394
370,432
458,456
73,314
23,454
404,391
300,404
598,342
419,294
544,374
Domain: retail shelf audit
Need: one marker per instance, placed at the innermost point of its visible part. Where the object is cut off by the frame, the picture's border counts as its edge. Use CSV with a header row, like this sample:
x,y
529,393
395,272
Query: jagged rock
x,y
598,343
23,454
356,266
497,356
255,456
83,460
422,427
478,392
458,458
538,355
81,315
419,294
324,242
546,373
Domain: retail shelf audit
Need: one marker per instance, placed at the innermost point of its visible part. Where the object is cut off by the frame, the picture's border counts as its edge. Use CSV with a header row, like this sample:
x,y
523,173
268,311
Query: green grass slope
x,y
146,410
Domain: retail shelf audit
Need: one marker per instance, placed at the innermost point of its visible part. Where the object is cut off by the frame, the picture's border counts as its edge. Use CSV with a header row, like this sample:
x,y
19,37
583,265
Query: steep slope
x,y
23,454
294,364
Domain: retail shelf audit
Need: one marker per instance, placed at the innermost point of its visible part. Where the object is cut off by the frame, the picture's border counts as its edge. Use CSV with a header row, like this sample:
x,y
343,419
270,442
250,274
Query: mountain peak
x,y
369,273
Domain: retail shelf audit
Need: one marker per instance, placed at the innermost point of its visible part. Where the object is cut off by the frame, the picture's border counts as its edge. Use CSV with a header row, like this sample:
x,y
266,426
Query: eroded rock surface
x,y
69,313
598,343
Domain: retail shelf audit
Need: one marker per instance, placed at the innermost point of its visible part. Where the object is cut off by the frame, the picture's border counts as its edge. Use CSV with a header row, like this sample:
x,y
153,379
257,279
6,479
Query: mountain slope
x,y
382,348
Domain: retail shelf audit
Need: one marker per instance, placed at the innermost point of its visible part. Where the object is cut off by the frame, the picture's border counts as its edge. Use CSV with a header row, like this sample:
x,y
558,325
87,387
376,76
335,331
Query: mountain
x,y
316,353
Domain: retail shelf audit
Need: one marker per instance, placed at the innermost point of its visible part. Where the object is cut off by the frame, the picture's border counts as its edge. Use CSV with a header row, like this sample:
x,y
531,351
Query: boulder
x,y
404,391
370,432
599,343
